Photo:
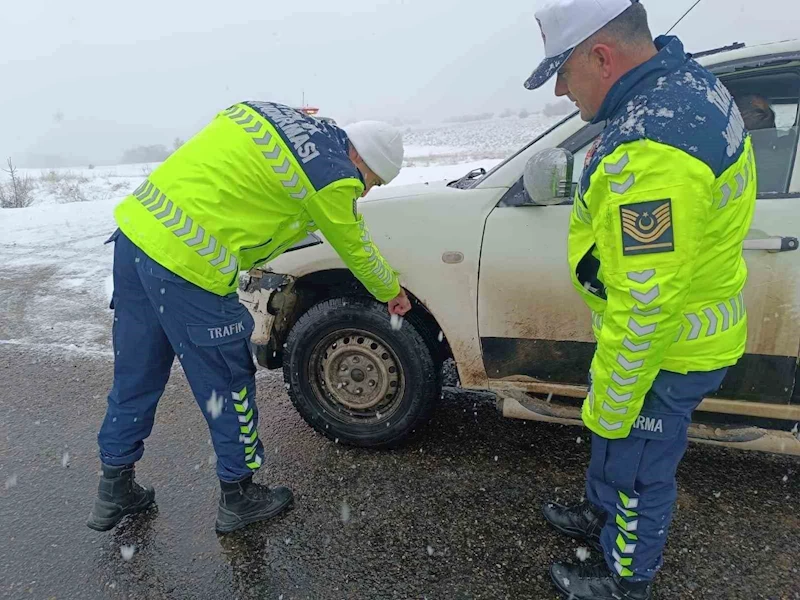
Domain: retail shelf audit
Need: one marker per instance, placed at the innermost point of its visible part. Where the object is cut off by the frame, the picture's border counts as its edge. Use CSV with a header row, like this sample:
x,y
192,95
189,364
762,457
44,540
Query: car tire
x,y
357,380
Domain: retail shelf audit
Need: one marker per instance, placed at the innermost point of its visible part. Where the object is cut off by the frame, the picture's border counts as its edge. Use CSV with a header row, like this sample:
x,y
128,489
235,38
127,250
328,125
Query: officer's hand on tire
x,y
400,304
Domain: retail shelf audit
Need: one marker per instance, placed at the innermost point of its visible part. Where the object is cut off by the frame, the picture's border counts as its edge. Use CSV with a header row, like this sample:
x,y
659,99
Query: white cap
x,y
567,23
380,145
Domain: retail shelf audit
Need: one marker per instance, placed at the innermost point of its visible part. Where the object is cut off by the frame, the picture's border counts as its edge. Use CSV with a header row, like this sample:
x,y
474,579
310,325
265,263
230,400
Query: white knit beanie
x,y
380,145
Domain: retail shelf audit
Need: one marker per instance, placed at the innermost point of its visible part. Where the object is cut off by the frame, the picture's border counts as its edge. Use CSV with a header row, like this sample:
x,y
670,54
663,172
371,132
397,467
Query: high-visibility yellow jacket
x,y
252,183
655,244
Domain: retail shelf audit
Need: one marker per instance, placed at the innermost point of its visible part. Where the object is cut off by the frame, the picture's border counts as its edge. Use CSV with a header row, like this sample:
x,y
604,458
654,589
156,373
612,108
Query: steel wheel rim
x,y
357,376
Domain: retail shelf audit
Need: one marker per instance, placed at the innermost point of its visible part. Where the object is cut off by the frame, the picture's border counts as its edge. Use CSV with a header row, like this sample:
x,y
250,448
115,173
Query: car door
x,y
536,331
533,327
768,371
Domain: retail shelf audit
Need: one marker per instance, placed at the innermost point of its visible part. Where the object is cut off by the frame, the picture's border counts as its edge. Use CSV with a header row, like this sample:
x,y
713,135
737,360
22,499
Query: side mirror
x,y
548,176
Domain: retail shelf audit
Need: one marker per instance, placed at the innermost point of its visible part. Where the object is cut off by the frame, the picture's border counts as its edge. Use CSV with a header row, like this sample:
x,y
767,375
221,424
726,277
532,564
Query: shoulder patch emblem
x,y
647,227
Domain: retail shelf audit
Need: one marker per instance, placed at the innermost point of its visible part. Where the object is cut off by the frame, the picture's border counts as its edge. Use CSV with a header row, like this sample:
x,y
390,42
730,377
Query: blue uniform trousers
x,y
158,315
633,479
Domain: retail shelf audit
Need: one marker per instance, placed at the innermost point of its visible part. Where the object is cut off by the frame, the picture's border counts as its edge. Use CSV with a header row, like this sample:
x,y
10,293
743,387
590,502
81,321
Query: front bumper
x,y
270,298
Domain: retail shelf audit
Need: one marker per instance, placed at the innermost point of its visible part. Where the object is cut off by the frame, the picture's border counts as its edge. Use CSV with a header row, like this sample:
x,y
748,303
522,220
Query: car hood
x,y
403,191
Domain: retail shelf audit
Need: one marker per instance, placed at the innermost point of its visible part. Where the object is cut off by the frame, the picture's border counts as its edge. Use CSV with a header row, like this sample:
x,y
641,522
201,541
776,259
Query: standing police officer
x,y
655,250
252,183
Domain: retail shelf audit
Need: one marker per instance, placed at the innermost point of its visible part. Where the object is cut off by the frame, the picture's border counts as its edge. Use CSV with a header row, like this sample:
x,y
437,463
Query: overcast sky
x,y
90,78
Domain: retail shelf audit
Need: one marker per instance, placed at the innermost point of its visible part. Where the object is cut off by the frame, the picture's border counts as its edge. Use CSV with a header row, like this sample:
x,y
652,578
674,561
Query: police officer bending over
x,y
655,250
255,181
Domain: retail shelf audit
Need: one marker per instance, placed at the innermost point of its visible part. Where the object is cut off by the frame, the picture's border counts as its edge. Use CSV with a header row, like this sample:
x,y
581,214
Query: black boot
x,y
582,521
118,495
596,582
246,502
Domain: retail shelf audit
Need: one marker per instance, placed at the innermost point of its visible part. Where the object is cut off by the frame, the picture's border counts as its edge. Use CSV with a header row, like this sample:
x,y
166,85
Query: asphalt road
x,y
452,515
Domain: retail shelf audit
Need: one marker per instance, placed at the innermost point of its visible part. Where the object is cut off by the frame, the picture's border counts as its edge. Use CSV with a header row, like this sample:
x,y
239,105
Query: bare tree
x,y
16,193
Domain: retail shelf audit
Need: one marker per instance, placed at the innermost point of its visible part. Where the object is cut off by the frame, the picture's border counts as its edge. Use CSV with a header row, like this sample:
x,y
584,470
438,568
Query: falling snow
x,y
11,481
163,291
161,309
582,554
441,336
579,440
214,405
127,552
785,478
430,550
65,460
345,512
396,322
717,494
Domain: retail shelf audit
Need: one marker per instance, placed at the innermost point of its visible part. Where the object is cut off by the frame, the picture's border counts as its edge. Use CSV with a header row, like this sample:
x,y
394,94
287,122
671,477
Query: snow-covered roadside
x,y
55,271
68,185
55,275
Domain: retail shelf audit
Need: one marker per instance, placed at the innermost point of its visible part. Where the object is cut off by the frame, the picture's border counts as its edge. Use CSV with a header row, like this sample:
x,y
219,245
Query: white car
x,y
485,261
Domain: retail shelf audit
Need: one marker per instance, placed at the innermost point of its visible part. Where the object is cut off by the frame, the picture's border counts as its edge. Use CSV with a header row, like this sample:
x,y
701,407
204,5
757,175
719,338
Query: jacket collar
x,y
671,55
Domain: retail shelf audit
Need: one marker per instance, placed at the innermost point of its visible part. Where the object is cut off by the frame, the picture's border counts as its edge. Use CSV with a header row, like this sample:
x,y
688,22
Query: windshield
x,y
525,147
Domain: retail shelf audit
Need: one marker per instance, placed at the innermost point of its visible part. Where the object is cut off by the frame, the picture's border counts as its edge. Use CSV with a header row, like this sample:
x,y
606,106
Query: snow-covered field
x,y
478,140
454,148
55,271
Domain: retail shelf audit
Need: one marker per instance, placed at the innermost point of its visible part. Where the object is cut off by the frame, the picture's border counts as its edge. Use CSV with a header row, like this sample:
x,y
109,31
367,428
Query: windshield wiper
x,y
466,180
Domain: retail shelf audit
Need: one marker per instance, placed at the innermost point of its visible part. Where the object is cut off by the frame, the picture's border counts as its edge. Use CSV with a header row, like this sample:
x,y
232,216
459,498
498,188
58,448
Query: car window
x,y
775,150
579,145
580,162
769,102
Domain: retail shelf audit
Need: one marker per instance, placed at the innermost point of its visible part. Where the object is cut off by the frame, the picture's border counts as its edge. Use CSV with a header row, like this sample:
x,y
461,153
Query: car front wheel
x,y
355,378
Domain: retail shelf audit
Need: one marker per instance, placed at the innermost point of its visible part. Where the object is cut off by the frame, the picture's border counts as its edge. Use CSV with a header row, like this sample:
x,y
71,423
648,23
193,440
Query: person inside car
x,y
771,147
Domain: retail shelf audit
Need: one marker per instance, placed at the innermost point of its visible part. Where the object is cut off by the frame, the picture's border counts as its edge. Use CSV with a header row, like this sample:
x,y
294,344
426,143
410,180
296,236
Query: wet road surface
x,y
452,515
